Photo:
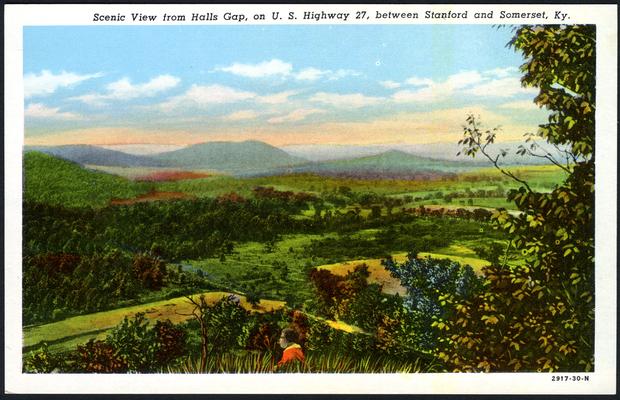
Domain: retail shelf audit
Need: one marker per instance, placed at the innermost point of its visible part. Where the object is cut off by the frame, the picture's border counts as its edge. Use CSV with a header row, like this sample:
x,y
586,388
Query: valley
x,y
175,226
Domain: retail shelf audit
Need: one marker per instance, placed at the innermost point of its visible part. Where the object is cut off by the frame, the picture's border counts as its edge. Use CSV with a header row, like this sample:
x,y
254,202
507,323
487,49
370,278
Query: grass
x,y
240,270
316,362
378,274
65,334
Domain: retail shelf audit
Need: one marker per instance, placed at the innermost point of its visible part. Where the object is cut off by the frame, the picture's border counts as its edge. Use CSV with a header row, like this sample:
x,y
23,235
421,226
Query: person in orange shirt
x,y
292,350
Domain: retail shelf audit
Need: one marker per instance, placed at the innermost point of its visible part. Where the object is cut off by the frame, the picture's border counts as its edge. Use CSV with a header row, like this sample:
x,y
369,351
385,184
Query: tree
x,y
540,316
220,324
428,281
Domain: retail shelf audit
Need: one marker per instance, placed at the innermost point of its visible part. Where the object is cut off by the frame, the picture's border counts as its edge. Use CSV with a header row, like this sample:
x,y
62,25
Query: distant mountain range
x,y
390,164
238,158
258,158
437,151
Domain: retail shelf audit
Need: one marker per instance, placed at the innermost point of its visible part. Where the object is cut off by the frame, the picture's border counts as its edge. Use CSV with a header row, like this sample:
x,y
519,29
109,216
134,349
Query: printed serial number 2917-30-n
x,y
569,378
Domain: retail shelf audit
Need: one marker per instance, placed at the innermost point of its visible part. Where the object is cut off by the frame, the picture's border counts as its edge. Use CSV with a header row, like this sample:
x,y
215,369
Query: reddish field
x,y
160,176
152,196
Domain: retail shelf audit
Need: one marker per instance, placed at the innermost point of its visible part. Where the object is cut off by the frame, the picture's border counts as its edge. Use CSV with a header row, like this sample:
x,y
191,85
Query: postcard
x,y
323,199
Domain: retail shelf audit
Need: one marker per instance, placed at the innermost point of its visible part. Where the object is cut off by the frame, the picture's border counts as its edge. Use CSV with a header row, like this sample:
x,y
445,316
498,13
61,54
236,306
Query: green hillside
x,y
48,179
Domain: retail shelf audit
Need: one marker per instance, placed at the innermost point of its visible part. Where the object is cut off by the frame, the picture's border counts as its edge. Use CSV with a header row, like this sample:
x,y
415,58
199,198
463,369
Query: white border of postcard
x,y
602,381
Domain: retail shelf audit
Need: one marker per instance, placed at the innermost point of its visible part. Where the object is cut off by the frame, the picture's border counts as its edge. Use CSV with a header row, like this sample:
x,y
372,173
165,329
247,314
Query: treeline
x,y
59,285
173,230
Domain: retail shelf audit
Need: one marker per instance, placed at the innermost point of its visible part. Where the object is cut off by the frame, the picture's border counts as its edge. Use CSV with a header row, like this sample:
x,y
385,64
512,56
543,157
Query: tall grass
x,y
330,362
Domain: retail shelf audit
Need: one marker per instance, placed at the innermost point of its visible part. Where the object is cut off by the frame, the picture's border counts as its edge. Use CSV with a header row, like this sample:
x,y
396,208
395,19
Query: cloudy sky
x,y
285,85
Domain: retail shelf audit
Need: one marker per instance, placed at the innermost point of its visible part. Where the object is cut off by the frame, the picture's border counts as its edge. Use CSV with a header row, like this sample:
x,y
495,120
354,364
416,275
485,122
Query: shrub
x,y
171,340
42,361
133,346
100,357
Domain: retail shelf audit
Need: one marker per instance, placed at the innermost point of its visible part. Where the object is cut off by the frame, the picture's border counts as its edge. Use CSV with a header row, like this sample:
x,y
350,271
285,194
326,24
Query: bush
x,y
133,346
428,281
145,348
42,361
100,357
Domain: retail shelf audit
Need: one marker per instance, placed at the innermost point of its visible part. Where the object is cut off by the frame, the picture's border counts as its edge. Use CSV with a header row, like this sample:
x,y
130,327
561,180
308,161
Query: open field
x,y
67,333
252,266
540,177
391,285
378,274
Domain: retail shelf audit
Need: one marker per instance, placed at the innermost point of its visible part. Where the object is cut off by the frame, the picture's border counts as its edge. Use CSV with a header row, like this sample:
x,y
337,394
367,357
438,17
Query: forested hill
x,y
52,180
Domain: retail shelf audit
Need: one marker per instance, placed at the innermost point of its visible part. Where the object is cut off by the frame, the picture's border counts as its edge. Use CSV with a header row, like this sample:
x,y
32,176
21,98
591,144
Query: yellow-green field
x,y
378,274
72,331
476,263
391,285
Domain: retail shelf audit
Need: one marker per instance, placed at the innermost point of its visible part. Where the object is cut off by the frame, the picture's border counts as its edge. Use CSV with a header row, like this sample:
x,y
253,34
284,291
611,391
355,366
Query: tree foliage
x,y
220,325
429,282
540,316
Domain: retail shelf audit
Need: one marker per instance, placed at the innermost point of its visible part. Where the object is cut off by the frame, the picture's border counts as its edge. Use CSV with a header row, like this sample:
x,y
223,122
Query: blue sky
x,y
347,84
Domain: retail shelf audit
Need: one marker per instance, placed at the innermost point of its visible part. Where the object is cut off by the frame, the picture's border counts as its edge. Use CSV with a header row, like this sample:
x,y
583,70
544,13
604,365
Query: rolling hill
x,y
438,151
240,158
93,155
390,164
52,180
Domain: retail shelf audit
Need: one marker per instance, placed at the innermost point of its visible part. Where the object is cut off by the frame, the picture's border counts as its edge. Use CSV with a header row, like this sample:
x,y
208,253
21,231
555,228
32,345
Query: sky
x,y
281,84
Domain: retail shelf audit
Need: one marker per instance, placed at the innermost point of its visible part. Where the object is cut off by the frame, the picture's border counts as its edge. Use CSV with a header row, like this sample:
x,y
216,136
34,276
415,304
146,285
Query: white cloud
x,y
296,115
443,125
279,68
313,74
462,79
390,84
491,83
260,70
241,115
123,89
425,95
202,96
415,81
38,110
504,87
431,91
501,72
47,83
355,100
310,74
526,105
277,98
342,73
